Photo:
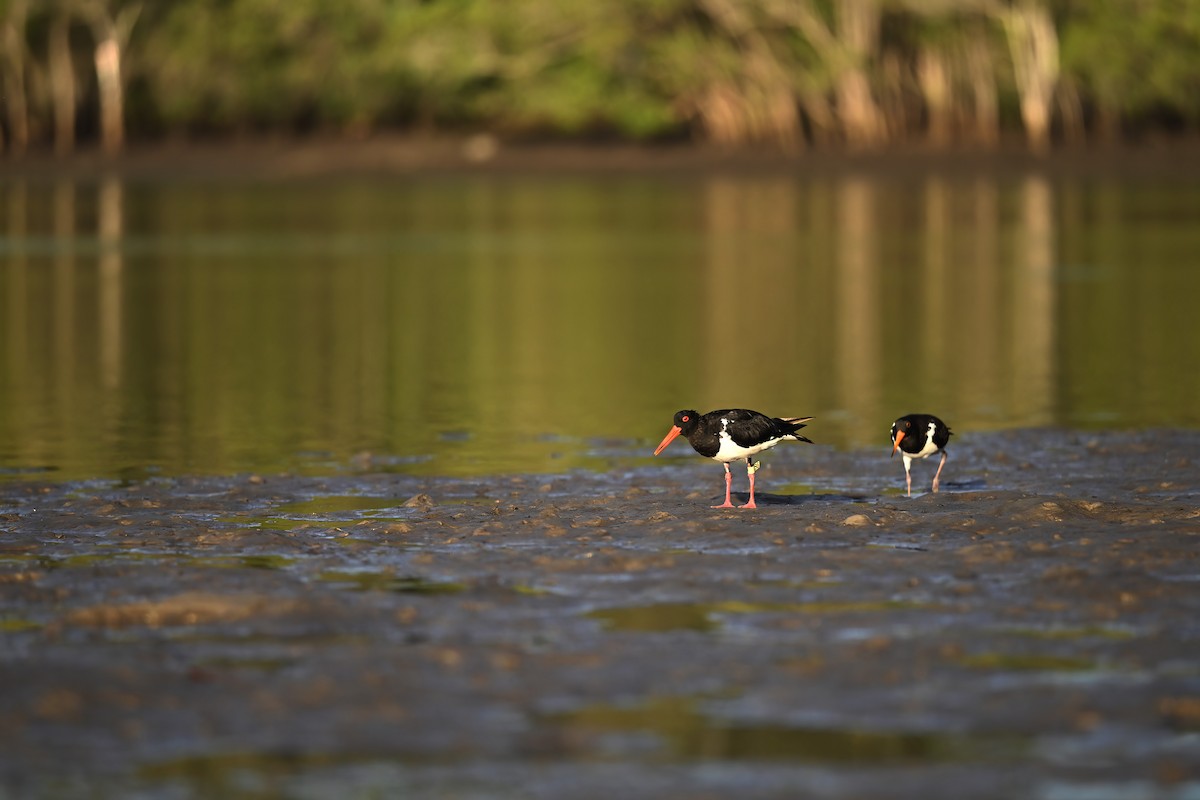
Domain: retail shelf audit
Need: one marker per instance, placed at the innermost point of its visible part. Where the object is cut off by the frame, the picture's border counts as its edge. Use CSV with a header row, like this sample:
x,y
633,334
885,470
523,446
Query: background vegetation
x,y
794,73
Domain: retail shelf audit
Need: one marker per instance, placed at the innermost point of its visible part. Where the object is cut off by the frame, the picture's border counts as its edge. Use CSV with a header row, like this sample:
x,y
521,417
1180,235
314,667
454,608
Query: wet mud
x,y
1031,631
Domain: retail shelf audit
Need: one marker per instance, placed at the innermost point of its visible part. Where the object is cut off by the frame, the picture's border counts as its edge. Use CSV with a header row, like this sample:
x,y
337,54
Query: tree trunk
x,y
62,83
12,44
821,119
983,90
1071,111
1033,42
1108,121
846,56
763,105
112,95
858,32
111,34
934,78
896,107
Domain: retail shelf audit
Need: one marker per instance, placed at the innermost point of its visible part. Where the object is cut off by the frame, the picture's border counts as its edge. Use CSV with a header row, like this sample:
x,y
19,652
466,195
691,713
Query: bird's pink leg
x,y
728,484
750,470
938,474
907,477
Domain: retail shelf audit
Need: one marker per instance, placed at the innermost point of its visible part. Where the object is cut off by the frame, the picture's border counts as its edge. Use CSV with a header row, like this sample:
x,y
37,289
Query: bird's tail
x,y
796,423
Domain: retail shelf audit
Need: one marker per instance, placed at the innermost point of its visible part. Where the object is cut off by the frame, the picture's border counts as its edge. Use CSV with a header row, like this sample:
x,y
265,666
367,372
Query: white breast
x,y
732,451
930,448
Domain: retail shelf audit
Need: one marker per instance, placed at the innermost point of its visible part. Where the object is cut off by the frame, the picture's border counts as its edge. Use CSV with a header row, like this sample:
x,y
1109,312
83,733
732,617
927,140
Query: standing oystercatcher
x,y
734,433
919,436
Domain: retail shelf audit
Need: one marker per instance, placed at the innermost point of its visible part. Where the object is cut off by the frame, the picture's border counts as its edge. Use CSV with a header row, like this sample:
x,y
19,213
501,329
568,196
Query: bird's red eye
x,y
684,418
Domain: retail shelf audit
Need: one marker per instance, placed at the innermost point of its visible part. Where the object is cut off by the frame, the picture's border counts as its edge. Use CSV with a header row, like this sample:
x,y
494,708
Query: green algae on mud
x,y
18,625
706,617
1028,662
388,581
684,731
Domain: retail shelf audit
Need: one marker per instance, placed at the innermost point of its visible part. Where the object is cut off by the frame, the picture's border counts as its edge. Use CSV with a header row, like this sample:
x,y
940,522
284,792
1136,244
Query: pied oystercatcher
x,y
733,433
920,436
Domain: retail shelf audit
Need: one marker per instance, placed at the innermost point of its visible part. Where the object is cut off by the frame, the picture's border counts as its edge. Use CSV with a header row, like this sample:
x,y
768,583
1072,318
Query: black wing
x,y
941,433
748,428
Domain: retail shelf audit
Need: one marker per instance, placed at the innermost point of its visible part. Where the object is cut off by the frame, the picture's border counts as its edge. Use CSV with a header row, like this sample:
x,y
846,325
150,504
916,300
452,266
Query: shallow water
x,y
487,324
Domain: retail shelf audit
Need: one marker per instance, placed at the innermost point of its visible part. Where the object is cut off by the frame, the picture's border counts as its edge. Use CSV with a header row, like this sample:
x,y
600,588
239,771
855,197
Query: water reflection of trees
x,y
491,318
868,299
110,222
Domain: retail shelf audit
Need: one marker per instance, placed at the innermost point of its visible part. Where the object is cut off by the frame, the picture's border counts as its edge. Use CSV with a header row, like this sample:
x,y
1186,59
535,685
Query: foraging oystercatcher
x,y
734,433
919,436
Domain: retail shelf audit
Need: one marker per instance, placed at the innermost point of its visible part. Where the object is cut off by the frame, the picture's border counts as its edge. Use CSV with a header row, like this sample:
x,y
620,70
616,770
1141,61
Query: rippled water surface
x,y
494,323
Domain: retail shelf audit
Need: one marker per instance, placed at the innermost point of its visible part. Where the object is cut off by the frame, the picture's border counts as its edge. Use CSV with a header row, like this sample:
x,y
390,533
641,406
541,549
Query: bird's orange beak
x,y
675,431
896,444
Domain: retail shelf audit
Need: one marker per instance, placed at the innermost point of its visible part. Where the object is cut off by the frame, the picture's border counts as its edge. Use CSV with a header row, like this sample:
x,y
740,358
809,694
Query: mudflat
x,y
1031,631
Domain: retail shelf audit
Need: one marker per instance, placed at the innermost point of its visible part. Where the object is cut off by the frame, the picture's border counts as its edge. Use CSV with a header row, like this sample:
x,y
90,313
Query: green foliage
x,y
1136,57
640,68
274,64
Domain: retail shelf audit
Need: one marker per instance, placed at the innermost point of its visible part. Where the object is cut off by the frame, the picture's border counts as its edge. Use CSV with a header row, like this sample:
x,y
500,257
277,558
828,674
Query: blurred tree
x,y
1033,42
574,68
111,23
858,36
787,72
746,91
976,54
62,79
14,56
1135,61
844,38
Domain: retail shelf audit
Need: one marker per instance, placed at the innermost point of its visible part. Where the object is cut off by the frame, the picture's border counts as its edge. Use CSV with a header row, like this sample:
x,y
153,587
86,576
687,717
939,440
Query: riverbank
x,y
383,155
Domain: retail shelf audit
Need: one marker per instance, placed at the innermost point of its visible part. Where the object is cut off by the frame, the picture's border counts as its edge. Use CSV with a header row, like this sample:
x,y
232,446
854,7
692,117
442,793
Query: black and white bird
x,y
919,436
734,433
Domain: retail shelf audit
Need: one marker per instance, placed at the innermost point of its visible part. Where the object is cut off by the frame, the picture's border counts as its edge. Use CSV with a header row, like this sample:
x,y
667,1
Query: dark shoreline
x,y
317,157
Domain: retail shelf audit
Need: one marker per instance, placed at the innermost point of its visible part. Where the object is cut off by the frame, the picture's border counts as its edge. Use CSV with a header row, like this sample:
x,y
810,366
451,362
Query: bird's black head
x,y
686,420
903,424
